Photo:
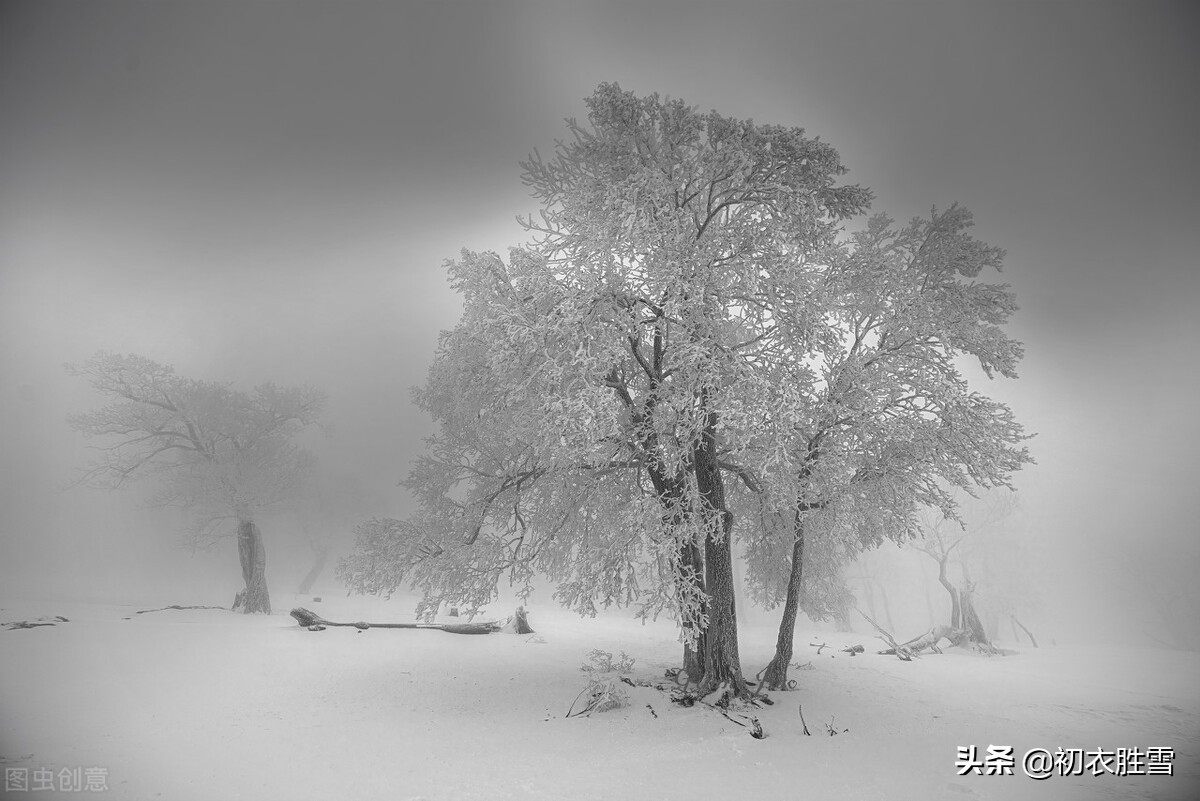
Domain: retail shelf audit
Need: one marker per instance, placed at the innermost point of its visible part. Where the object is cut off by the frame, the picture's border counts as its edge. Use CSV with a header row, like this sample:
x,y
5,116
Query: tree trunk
x,y
322,555
691,570
255,597
722,663
970,618
775,676
955,609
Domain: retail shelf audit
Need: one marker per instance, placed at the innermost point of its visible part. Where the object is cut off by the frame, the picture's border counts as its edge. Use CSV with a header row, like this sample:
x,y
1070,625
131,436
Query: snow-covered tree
x,y
686,338
876,421
219,453
617,365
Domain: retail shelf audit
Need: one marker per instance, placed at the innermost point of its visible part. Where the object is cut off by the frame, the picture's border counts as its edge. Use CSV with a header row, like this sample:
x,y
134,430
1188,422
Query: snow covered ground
x,y
206,704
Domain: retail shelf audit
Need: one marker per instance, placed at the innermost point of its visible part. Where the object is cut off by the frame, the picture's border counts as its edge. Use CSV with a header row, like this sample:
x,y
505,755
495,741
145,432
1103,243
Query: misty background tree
x,y
975,556
221,454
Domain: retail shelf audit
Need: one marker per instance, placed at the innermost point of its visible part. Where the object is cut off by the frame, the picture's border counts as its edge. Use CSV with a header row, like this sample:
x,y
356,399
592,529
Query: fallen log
x,y
175,606
309,620
33,624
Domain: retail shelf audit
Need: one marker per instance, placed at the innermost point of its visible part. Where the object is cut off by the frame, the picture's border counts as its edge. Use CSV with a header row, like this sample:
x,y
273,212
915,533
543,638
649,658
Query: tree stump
x,y
521,622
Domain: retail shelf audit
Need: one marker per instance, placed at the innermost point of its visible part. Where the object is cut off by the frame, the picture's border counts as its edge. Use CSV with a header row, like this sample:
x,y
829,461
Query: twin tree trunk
x,y
963,617
253,555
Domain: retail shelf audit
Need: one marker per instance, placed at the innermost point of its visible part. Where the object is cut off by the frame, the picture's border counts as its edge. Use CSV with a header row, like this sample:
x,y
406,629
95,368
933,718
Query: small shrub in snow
x,y
603,692
600,695
833,731
602,662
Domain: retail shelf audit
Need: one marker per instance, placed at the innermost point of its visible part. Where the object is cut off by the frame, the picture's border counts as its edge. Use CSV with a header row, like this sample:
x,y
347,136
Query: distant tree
x,y
219,453
999,564
966,547
618,366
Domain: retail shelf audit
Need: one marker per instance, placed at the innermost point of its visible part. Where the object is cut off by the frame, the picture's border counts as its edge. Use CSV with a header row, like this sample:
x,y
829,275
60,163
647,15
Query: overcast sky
x,y
267,190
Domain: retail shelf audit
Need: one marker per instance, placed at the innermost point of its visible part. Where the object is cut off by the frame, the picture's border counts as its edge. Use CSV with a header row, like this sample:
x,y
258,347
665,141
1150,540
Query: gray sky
x,y
267,190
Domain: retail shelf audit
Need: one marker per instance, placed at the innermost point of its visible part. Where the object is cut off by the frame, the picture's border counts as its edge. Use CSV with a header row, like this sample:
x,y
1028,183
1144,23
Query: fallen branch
x,y
315,622
1027,631
176,606
927,641
33,624
718,700
896,648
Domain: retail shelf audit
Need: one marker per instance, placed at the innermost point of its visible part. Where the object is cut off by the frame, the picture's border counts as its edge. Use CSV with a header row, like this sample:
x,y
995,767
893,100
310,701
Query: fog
x,y
267,191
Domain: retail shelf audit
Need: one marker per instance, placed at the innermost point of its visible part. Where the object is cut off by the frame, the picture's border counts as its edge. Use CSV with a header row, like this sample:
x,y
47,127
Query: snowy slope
x,y
206,704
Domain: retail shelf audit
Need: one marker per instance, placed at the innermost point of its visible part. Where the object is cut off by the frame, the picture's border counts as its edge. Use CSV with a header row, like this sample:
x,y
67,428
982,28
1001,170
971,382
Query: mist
x,y
257,192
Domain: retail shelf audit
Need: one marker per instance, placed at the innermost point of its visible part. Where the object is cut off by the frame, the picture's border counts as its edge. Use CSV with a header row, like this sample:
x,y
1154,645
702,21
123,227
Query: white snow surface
x,y
212,705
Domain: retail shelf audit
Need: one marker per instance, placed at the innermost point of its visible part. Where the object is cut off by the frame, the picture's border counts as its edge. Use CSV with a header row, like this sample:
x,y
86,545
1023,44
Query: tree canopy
x,y
210,448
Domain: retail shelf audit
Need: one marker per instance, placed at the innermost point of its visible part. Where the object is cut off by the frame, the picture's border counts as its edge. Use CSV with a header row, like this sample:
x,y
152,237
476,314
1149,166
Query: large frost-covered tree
x,y
687,336
219,453
604,382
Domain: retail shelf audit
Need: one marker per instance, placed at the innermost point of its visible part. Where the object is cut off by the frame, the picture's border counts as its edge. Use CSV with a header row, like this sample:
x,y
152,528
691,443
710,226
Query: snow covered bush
x,y
603,691
602,662
601,694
